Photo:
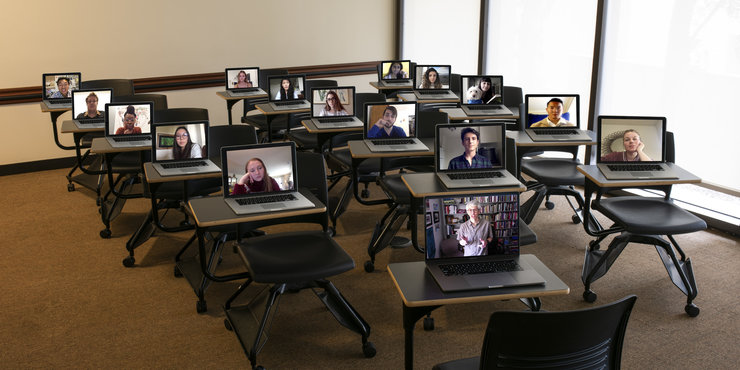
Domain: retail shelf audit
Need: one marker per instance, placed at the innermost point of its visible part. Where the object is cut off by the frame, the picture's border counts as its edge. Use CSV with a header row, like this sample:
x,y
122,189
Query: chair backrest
x,y
591,338
266,73
159,100
670,147
426,122
180,115
513,96
512,160
318,83
120,86
340,140
226,135
455,85
312,176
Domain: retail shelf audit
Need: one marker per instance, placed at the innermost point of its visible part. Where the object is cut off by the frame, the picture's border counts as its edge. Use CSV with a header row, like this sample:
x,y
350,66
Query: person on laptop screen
x,y
243,80
92,108
184,147
431,79
287,90
554,115
475,233
395,72
487,92
333,106
62,88
633,149
470,157
385,127
129,122
256,180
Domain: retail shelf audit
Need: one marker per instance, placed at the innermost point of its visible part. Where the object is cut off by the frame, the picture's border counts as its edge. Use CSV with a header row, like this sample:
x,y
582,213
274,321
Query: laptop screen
x,y
474,225
482,90
631,139
395,70
258,168
333,101
390,120
180,141
90,104
427,77
470,146
60,85
552,110
242,78
128,118
287,87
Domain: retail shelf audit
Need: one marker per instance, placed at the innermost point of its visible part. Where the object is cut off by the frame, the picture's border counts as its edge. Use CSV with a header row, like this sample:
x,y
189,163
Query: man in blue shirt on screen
x,y
470,158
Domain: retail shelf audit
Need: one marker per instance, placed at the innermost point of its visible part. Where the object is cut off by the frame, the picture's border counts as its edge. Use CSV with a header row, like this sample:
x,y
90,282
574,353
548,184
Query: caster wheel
x,y
227,324
692,310
201,306
368,349
184,223
105,234
129,261
365,193
576,220
428,323
589,296
97,202
176,271
70,187
549,205
235,248
220,259
369,266
259,368
331,231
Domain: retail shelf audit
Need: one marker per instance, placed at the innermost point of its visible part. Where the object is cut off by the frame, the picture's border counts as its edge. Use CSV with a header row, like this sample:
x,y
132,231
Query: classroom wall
x,y
139,39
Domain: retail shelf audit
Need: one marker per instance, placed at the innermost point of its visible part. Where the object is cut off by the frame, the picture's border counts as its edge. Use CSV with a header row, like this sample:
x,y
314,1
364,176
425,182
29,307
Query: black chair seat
x,y
553,171
313,255
649,216
462,364
368,166
303,139
396,188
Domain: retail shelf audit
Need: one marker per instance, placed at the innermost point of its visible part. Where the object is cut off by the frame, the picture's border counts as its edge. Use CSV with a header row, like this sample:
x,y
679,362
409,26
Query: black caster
x,y
97,202
129,261
331,231
185,223
576,220
177,272
368,349
259,368
228,326
365,193
549,205
428,323
105,233
235,248
692,310
594,245
220,259
70,187
589,296
201,306
369,266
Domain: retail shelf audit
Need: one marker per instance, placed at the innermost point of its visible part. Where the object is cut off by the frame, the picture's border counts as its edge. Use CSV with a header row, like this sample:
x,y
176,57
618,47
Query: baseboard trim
x,y
34,166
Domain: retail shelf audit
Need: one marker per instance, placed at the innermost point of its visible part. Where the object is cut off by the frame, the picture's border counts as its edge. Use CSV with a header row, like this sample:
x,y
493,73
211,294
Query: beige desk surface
x,y
522,139
359,149
411,97
45,108
378,86
593,173
153,176
457,114
224,95
69,127
267,110
422,184
100,145
311,127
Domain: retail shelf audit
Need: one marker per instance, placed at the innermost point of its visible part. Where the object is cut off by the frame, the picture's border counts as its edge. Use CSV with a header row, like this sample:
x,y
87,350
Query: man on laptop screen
x,y
391,127
553,117
58,87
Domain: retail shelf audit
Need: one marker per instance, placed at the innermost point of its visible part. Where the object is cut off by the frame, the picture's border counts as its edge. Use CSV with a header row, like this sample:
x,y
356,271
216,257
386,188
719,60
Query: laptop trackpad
x,y
273,206
641,174
487,280
480,182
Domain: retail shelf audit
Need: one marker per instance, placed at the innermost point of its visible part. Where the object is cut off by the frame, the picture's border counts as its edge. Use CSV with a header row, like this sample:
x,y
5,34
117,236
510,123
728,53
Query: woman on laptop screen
x,y
633,149
287,90
129,122
470,157
243,80
333,106
184,147
475,233
256,180
431,80
384,126
395,71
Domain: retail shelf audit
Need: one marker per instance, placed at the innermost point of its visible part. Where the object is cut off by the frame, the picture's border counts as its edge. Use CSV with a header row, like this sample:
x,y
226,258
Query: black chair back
x,y
159,100
226,135
120,86
180,115
513,96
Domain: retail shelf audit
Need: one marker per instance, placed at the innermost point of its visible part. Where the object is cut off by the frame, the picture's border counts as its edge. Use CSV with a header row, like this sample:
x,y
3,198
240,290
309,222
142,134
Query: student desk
x,y
459,115
213,213
410,96
90,179
421,295
232,100
55,113
391,89
270,115
325,134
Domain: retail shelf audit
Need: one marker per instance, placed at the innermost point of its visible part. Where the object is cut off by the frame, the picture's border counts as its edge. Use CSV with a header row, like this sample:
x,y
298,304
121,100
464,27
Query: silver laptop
x,y
632,148
472,155
181,149
334,107
391,127
553,117
433,82
395,73
483,96
243,82
129,124
57,88
465,255
88,107
287,92
261,178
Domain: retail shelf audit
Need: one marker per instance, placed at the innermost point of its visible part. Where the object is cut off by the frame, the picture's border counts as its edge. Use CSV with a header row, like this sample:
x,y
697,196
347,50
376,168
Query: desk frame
x,y
231,101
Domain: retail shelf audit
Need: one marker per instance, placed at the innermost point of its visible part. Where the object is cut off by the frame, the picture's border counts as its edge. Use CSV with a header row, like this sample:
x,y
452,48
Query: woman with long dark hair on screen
x,y
333,106
486,87
431,79
287,90
184,147
395,71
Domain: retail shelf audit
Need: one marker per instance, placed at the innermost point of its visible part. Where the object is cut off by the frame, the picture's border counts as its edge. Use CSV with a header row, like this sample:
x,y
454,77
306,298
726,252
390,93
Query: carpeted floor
x,y
68,302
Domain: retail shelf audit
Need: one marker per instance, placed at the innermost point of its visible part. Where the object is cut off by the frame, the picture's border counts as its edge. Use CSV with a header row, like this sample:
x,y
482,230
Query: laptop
x,y
486,168
286,92
492,261
86,101
243,82
483,96
433,82
334,107
553,117
391,127
268,174
129,124
618,148
395,73
181,149
56,88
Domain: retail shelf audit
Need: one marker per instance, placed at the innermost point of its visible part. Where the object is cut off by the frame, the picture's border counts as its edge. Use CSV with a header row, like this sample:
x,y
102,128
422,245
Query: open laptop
x,y
620,139
553,117
269,174
433,82
391,127
129,124
286,92
483,95
395,73
243,82
491,262
334,107
487,140
84,101
56,88
181,149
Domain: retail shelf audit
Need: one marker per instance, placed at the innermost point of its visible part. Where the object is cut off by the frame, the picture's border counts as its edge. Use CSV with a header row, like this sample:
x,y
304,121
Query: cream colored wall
x,y
140,38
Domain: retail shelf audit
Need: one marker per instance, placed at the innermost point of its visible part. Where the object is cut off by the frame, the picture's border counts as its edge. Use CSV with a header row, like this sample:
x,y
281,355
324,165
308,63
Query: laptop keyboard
x,y
553,131
60,101
635,167
432,92
184,164
393,142
333,120
480,267
266,199
475,175
94,120
288,103
124,139
484,107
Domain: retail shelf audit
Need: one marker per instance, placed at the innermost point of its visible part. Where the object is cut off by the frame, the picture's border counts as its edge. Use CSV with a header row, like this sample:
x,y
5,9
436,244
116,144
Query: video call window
x,y
293,85
191,135
451,146
482,89
242,78
540,109
395,70
50,83
116,113
612,144
278,165
80,99
405,119
424,77
345,96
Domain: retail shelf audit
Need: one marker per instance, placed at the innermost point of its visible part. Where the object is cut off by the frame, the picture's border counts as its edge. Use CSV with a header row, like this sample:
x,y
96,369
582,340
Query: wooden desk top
x,y
69,127
458,114
522,139
45,108
378,86
359,149
213,211
225,95
412,97
418,288
100,145
593,173
423,184
153,176
311,127
267,110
